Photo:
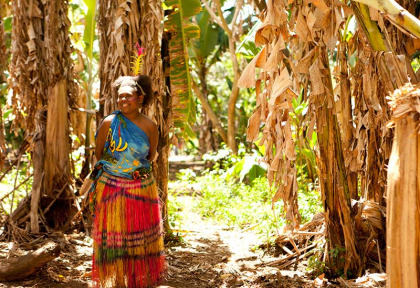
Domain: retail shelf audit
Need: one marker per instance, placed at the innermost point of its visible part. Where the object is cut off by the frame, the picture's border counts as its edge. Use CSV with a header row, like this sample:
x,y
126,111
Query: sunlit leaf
x,y
182,30
89,34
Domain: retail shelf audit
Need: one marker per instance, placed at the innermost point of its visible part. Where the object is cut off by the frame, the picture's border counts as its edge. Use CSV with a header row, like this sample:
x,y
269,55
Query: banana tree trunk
x,y
118,25
375,87
57,177
334,184
347,119
151,16
41,52
403,193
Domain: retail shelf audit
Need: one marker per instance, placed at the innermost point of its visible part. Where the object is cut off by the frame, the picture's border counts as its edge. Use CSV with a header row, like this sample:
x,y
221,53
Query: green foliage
x,y
315,265
186,175
338,253
12,179
415,63
77,156
204,46
247,47
244,166
249,166
236,204
309,199
175,212
233,194
182,30
305,156
90,23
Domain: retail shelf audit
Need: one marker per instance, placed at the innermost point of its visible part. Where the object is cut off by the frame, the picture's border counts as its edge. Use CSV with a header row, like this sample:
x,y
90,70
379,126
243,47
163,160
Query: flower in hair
x,y
138,59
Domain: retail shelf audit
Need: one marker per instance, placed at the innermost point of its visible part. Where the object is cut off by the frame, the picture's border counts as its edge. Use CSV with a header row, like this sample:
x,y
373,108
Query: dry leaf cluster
x,y
345,81
118,25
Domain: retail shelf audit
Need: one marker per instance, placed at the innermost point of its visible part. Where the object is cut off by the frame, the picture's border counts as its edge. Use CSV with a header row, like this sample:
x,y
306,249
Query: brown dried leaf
x,y
273,60
320,4
248,75
290,143
316,79
305,62
302,29
374,14
281,83
254,125
278,195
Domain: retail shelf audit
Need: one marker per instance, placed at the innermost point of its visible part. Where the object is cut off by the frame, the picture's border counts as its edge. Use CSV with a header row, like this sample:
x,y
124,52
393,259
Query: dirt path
x,y
214,256
211,256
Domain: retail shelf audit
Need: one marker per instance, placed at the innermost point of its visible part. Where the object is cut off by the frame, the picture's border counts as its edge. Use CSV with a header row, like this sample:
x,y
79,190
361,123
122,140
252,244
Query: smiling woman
x,y
127,234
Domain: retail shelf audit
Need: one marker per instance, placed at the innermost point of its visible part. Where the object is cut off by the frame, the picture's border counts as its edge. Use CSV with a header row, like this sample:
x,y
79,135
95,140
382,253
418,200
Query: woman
x,y
128,244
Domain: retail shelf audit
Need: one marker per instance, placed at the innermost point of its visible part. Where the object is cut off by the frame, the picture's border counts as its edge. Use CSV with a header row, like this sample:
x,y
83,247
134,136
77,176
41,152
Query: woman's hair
x,y
145,82
141,83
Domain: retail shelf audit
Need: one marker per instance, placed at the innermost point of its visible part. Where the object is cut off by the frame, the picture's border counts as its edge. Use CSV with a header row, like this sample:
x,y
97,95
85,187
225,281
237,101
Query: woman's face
x,y
129,102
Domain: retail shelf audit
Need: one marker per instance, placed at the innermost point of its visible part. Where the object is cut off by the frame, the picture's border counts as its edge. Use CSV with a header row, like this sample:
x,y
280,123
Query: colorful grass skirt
x,y
127,233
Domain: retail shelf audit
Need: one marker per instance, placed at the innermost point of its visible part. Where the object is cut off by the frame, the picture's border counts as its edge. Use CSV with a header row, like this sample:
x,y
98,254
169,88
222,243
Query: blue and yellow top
x,y
126,149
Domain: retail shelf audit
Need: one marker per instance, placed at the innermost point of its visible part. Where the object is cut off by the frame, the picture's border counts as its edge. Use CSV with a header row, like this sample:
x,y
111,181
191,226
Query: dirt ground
x,y
209,256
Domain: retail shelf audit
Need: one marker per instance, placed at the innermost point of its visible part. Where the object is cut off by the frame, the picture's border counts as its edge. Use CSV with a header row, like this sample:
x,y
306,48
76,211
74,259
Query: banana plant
x,y
204,52
182,30
396,14
88,38
369,26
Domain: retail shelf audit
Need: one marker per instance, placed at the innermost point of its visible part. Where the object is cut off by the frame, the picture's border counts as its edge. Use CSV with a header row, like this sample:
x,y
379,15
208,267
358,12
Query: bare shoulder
x,y
106,123
149,123
109,118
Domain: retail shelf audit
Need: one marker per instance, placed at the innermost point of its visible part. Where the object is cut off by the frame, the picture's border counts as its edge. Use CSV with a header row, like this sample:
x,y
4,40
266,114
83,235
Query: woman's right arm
x,y
101,137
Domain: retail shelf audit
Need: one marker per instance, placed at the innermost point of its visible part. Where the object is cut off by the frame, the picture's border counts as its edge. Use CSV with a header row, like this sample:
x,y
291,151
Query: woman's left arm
x,y
153,140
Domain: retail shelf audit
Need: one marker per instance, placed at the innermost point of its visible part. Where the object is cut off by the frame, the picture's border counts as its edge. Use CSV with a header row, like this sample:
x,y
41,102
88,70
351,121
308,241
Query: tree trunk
x,y
231,33
403,193
151,15
347,120
118,26
23,266
213,117
205,136
56,158
333,180
38,164
207,141
379,73
41,52
233,98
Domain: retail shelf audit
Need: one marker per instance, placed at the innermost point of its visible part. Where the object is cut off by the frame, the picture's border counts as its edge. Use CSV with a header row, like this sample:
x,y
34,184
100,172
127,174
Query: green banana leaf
x,y
89,34
369,26
182,30
212,43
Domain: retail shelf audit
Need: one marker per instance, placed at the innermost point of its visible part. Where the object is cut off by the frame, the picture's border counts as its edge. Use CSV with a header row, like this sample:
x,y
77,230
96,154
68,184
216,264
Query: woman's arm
x,y
153,141
101,137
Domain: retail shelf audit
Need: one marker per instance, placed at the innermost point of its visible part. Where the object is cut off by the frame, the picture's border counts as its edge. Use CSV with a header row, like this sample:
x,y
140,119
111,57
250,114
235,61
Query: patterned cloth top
x,y
126,149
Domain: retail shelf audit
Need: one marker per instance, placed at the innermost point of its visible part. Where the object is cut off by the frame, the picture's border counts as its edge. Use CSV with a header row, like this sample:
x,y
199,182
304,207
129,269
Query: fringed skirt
x,y
127,233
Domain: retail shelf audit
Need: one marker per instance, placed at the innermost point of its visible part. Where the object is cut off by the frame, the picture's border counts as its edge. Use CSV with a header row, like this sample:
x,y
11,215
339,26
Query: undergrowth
x,y
240,201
